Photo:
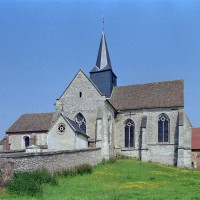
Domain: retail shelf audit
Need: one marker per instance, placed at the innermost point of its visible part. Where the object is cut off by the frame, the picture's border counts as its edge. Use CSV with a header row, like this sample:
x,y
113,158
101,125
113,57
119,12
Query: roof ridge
x,y
37,113
181,80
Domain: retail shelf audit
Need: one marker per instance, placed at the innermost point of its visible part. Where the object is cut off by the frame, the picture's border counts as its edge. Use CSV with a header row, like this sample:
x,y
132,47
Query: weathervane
x,y
103,21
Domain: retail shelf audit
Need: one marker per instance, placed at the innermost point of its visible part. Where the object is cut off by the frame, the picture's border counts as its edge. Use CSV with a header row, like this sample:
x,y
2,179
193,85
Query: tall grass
x,y
79,169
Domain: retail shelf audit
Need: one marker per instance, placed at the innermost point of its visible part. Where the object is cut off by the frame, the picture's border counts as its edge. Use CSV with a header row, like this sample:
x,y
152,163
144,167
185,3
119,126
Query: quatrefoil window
x,y
61,128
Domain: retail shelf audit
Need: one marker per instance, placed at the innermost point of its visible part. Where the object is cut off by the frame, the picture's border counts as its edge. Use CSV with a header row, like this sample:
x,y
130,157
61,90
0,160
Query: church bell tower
x,y
102,74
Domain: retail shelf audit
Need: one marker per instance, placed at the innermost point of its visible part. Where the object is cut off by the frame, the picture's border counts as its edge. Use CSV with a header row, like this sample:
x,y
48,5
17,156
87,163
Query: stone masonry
x,y
53,161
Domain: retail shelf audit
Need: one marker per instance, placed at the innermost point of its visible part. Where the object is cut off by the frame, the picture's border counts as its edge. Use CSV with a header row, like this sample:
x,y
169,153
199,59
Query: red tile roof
x,y
151,95
37,122
195,138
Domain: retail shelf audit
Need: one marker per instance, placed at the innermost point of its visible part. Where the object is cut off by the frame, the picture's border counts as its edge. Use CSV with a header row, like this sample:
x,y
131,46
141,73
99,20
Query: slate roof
x,y
150,95
37,122
103,58
195,138
75,126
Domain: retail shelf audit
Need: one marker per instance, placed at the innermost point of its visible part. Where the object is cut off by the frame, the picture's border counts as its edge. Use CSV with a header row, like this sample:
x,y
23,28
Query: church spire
x,y
103,58
102,75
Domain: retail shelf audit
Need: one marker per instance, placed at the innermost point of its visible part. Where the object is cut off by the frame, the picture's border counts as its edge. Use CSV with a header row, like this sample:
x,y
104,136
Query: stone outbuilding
x,y
29,129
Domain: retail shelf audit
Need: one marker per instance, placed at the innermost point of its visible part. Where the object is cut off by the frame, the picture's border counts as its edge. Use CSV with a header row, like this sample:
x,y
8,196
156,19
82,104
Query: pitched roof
x,y
151,95
75,127
103,58
195,138
37,122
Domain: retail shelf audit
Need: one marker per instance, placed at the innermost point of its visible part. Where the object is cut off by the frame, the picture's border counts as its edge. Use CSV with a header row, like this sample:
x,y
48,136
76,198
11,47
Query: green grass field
x,y
125,179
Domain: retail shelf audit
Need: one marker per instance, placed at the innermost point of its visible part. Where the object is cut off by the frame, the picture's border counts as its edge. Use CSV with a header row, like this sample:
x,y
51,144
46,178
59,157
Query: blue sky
x,y
43,43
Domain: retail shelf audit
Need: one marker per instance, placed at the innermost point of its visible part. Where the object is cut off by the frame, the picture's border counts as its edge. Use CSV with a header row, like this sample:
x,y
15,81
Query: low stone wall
x,y
53,161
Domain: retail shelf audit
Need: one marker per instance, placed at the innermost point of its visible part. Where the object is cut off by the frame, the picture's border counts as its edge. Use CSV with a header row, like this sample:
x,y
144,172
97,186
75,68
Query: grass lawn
x,y
125,179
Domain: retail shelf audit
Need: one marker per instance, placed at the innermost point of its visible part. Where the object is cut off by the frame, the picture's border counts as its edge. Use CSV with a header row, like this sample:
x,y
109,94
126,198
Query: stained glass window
x,y
129,133
163,128
80,120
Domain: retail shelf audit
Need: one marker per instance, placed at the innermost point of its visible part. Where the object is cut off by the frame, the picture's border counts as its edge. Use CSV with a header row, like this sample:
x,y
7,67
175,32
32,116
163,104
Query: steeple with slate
x,y
102,74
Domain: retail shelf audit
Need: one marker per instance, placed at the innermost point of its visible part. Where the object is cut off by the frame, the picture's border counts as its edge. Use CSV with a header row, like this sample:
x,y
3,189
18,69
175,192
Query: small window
x,y
80,94
26,141
163,128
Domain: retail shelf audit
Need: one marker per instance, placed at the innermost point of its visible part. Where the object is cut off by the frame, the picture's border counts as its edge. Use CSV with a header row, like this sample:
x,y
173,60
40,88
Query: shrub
x,y
23,184
68,172
152,178
80,169
44,176
30,183
111,160
84,169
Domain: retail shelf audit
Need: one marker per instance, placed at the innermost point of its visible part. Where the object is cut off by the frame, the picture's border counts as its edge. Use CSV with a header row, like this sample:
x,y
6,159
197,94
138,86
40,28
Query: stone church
x,y
146,121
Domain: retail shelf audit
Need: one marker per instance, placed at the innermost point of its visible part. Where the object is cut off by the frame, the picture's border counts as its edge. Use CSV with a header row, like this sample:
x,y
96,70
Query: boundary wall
x,y
52,161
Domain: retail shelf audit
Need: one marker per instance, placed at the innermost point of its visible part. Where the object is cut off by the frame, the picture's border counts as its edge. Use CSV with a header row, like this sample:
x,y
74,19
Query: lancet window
x,y
163,128
129,130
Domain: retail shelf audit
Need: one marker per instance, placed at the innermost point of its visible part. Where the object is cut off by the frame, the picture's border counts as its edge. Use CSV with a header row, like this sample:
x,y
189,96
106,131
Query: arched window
x,y
129,133
163,128
26,141
80,120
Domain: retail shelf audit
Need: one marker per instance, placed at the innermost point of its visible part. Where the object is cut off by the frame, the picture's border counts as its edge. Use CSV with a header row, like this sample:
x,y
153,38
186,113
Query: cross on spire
x,y
103,21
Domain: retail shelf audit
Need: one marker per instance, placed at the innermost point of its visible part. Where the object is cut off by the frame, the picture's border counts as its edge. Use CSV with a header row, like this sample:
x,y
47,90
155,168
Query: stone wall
x,y
185,141
53,161
16,141
61,141
196,158
83,97
90,103
152,125
6,171
163,153
146,145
